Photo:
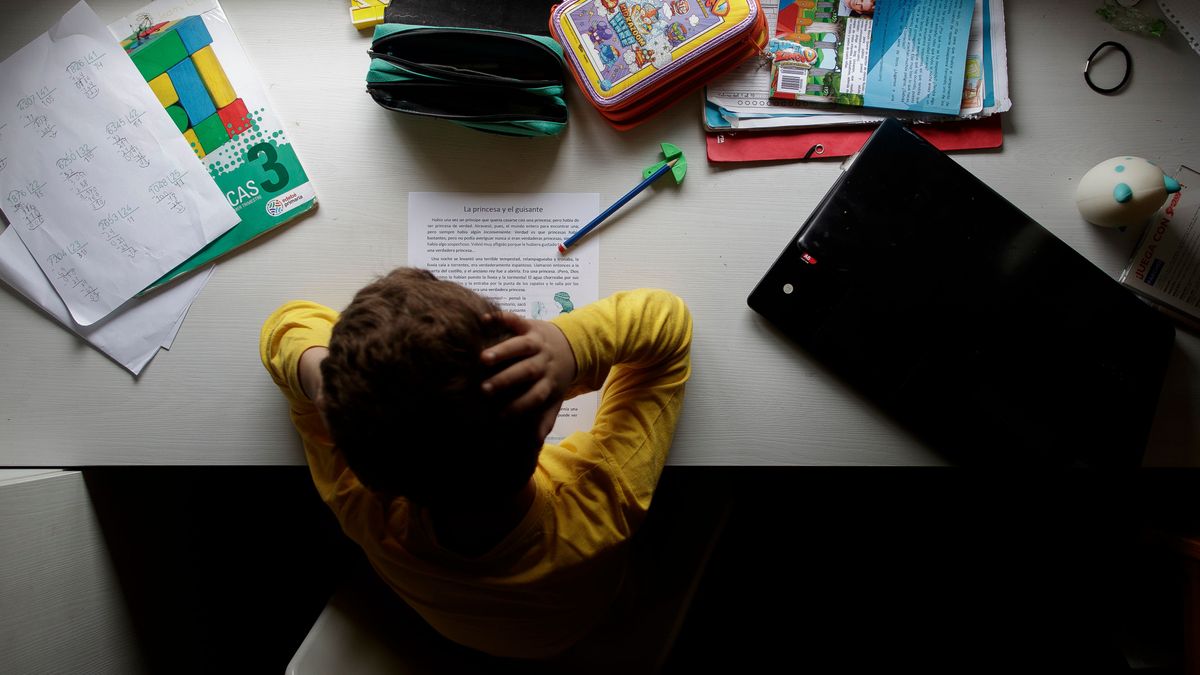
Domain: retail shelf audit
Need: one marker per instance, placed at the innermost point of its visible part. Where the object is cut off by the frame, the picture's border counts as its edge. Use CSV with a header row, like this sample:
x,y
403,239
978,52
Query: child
x,y
423,411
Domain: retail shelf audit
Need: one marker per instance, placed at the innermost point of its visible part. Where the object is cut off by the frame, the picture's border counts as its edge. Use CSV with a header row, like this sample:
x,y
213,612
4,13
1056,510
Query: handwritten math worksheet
x,y
94,176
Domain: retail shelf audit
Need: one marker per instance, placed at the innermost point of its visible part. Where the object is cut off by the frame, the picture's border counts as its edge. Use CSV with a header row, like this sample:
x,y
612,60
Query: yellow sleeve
x,y
640,342
286,334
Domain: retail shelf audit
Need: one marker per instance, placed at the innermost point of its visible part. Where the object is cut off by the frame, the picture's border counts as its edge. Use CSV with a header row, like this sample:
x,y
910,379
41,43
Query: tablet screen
x,y
962,317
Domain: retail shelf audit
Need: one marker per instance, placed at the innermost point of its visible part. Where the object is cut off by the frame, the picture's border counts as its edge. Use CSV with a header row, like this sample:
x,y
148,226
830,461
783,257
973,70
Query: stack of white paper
x,y
103,192
130,336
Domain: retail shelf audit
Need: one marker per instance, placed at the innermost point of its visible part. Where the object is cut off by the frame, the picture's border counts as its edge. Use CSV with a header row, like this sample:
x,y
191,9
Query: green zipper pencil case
x,y
495,81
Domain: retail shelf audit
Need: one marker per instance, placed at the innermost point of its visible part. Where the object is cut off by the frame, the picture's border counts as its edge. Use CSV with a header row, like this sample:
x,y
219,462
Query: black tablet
x,y
949,308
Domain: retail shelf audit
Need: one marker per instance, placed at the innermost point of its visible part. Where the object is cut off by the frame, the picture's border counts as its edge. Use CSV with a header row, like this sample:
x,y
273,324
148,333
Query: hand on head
x,y
535,369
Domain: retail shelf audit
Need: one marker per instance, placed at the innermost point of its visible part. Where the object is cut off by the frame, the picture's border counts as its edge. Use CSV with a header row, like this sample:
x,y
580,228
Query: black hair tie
x,y
1087,76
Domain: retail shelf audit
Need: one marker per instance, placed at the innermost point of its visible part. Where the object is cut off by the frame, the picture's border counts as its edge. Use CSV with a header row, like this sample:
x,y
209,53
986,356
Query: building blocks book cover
x,y
190,57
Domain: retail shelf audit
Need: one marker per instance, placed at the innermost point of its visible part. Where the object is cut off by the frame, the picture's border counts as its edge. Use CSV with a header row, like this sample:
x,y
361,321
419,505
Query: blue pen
x,y
570,241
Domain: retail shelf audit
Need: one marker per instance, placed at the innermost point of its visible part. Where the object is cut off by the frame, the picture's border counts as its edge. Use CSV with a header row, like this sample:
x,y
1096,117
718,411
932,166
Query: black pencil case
x,y
496,81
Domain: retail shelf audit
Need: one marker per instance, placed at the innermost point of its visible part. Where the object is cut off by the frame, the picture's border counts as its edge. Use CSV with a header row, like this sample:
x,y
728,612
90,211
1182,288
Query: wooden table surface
x,y
754,399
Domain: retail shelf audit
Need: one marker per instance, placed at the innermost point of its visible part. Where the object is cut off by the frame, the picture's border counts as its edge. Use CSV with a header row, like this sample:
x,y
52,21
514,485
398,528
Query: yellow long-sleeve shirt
x,y
552,578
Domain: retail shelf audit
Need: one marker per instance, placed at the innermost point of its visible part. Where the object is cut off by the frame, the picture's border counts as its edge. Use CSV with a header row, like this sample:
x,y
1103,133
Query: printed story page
x,y
504,247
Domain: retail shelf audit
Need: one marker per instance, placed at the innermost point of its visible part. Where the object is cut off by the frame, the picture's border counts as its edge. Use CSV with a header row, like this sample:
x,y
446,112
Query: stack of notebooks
x,y
134,156
836,68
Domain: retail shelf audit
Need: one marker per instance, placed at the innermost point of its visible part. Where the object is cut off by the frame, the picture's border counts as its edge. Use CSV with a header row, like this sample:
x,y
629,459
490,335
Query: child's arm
x,y
637,341
646,330
286,336
640,342
292,343
643,340
310,372
638,329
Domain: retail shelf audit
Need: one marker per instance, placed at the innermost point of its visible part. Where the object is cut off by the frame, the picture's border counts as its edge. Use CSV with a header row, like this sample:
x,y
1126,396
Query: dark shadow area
x,y
824,570
224,568
941,570
368,629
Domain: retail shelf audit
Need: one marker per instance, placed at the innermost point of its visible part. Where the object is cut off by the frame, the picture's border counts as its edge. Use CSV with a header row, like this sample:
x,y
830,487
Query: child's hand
x,y
541,366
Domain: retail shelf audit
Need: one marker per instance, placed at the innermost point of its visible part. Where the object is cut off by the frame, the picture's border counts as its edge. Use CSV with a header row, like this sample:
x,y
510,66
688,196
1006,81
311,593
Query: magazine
x,y
742,98
1165,266
191,58
912,55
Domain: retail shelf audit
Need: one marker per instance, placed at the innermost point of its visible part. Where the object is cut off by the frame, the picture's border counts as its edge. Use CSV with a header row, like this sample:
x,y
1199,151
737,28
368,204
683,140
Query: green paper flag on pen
x,y
673,161
670,152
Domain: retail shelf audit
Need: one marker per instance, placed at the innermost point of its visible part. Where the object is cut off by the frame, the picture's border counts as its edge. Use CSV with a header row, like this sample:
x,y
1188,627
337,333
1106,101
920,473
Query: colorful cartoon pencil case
x,y
505,83
633,59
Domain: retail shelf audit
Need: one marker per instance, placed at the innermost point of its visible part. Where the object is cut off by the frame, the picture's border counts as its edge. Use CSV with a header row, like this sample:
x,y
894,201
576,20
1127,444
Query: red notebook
x,y
757,146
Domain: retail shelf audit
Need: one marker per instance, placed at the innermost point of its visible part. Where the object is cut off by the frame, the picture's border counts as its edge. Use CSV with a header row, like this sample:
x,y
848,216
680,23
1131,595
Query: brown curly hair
x,y
402,394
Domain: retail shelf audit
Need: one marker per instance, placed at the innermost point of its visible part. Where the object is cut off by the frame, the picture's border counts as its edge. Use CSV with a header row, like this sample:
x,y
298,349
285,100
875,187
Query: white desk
x,y
754,398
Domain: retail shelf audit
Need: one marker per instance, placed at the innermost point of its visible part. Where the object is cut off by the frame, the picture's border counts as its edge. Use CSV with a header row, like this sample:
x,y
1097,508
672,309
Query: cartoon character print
x,y
599,33
642,57
676,33
608,54
644,16
625,36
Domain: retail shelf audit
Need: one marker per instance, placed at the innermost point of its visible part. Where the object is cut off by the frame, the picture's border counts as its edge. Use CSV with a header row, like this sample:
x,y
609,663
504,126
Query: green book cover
x,y
230,124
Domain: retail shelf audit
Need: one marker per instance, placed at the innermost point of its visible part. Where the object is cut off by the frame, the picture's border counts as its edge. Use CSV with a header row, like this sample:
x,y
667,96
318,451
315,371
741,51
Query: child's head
x,y
402,394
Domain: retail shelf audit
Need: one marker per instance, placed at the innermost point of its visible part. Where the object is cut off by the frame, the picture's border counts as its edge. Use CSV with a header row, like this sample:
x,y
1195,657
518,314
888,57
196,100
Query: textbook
x,y
190,57
741,100
911,55
1165,266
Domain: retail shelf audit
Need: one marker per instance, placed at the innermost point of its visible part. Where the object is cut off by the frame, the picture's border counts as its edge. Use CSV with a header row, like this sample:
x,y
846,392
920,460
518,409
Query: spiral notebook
x,y
946,306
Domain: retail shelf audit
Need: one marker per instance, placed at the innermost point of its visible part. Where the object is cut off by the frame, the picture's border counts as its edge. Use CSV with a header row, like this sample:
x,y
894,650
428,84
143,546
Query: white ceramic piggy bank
x,y
1122,192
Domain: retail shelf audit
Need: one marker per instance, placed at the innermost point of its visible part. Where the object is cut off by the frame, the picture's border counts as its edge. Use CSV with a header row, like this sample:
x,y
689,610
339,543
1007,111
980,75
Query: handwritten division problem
x,y
95,177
